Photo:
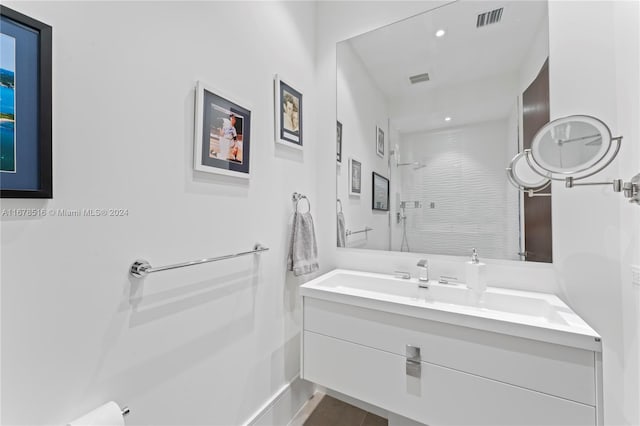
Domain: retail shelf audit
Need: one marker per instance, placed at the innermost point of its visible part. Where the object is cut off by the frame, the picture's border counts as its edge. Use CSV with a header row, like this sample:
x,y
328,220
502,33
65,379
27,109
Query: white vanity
x,y
443,356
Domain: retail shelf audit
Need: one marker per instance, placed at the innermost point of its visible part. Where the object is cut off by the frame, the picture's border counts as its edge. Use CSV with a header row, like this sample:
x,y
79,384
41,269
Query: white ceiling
x,y
475,58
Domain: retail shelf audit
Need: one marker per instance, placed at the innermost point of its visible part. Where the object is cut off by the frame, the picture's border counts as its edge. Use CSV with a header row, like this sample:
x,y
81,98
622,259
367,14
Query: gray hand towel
x,y
303,251
342,233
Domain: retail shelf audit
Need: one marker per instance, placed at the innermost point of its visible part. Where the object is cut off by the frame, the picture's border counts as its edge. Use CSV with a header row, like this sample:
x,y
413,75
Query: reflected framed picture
x,y
379,142
25,107
288,111
338,142
380,196
355,177
222,142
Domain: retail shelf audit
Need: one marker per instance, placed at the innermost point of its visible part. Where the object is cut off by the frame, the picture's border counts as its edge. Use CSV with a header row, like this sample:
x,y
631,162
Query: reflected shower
x,y
416,164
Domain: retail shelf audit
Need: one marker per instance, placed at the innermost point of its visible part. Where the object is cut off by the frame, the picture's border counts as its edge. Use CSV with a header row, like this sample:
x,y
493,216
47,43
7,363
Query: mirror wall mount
x,y
531,192
574,148
630,190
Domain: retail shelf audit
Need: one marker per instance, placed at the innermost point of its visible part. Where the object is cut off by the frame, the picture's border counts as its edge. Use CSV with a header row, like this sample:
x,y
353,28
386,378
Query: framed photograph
x,y
25,107
222,142
288,109
339,142
380,198
355,177
379,142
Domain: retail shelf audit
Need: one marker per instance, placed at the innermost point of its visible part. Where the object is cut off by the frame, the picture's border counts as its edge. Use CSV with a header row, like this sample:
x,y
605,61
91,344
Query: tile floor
x,y
333,412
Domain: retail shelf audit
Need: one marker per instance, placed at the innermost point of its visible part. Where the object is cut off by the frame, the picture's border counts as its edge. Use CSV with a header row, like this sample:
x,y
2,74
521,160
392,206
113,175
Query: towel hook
x,y
296,197
339,203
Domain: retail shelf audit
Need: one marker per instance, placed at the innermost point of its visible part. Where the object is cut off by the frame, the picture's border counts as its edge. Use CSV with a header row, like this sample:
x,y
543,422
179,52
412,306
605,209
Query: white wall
x,y
361,109
594,70
464,179
627,39
537,53
205,345
588,224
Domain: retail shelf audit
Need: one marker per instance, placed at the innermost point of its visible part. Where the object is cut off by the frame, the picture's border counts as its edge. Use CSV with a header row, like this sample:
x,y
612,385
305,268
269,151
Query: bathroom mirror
x,y
458,92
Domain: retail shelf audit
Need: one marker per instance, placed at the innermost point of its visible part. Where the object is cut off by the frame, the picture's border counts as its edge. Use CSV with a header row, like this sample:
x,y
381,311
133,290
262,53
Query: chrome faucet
x,y
423,273
402,274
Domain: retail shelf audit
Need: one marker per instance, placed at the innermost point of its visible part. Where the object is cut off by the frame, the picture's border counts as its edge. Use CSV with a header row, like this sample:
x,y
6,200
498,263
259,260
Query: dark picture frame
x,y
379,141
289,114
380,192
355,177
26,169
338,142
222,137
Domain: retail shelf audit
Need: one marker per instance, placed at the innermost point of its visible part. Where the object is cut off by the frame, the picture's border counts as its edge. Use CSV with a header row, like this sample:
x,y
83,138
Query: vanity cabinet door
x,y
441,396
549,368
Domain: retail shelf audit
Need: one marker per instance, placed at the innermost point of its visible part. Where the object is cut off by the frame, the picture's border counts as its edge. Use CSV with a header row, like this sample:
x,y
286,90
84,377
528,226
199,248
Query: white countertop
x,y
537,316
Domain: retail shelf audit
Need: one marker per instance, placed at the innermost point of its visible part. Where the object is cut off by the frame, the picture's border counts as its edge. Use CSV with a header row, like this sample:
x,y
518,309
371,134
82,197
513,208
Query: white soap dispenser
x,y
476,274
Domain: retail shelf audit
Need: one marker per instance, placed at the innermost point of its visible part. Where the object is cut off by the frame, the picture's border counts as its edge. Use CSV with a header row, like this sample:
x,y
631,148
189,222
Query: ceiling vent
x,y
419,78
488,18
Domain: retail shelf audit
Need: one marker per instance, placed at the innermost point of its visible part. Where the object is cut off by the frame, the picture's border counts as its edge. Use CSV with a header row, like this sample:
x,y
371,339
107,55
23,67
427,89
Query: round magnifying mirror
x,y
523,175
571,145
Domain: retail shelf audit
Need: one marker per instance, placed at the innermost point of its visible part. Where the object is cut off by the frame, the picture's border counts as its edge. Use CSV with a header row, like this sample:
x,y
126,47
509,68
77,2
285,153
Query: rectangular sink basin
x,y
539,316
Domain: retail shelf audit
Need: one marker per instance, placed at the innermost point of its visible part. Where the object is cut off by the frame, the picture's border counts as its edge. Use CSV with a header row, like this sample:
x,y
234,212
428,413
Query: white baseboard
x,y
306,410
397,420
283,406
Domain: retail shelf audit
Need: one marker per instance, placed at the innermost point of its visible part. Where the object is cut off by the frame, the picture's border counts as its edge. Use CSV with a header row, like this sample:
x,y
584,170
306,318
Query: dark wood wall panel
x,y
537,210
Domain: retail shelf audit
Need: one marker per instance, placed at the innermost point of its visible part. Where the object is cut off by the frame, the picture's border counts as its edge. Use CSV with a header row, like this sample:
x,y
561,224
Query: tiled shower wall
x,y
465,197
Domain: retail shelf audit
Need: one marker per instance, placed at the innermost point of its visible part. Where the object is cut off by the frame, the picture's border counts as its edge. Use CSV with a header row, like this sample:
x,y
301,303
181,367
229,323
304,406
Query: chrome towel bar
x,y
365,230
141,267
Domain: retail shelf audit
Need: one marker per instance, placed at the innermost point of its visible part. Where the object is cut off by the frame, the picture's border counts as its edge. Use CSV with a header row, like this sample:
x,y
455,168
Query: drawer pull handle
x,y
413,366
413,369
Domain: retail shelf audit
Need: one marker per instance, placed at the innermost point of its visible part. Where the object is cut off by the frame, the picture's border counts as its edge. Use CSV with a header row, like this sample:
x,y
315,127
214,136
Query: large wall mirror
x,y
438,104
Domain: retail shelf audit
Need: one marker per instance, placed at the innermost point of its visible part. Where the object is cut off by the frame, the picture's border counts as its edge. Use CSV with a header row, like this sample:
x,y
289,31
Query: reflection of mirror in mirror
x,y
524,175
571,144
458,107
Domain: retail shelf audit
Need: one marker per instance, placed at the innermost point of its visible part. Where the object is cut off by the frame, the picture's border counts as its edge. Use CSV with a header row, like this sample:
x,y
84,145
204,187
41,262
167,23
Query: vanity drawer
x,y
553,369
440,396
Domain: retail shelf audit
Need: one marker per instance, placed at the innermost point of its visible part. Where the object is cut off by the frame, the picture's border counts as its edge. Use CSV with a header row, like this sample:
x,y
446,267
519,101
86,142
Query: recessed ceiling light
x,y
440,33
447,119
